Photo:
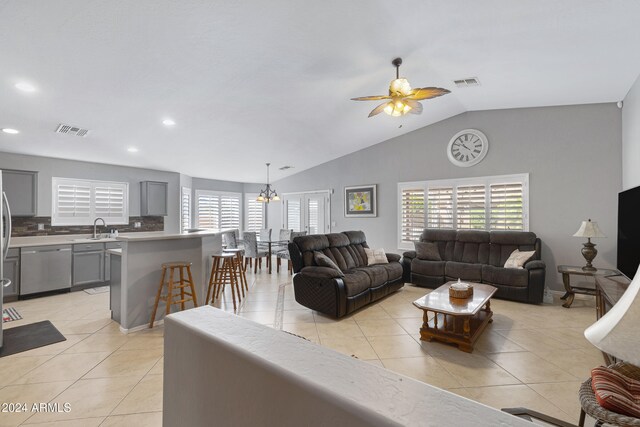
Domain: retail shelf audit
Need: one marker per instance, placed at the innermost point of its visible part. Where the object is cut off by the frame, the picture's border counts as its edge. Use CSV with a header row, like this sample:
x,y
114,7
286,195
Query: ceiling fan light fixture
x,y
402,99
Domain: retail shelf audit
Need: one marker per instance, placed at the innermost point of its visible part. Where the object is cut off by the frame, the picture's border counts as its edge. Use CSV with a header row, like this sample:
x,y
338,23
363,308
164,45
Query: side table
x,y
571,291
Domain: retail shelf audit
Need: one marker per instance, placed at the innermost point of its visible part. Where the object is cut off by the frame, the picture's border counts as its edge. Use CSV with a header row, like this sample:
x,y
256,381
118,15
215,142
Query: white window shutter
x,y
110,202
208,211
412,214
218,211
229,212
293,214
507,207
185,208
440,207
471,207
254,213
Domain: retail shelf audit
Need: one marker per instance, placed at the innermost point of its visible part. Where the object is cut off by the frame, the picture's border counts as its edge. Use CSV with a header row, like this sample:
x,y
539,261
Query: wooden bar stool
x,y
224,269
185,281
240,267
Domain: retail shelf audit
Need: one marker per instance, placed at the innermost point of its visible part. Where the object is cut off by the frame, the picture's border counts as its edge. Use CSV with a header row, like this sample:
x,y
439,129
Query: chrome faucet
x,y
95,227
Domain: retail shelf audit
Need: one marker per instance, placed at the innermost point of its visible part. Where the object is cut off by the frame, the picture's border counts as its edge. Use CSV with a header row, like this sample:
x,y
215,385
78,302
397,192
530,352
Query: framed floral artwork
x,y
360,201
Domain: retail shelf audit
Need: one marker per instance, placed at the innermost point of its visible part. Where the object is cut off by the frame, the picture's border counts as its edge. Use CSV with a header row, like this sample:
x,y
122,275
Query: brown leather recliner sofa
x,y
479,256
338,293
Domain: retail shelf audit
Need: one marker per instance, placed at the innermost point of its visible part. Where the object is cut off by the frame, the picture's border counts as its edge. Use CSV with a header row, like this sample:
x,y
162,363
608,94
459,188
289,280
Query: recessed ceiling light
x,y
132,150
11,131
25,87
168,122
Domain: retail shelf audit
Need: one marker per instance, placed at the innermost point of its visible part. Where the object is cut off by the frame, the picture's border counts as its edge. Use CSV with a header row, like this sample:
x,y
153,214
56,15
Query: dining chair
x,y
284,252
251,251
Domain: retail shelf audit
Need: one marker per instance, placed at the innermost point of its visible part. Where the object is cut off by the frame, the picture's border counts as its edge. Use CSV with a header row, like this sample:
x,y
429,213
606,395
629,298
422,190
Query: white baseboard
x,y
140,328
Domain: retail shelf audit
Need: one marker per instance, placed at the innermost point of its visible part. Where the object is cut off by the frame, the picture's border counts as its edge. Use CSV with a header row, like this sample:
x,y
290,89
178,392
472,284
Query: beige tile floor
x,y
531,356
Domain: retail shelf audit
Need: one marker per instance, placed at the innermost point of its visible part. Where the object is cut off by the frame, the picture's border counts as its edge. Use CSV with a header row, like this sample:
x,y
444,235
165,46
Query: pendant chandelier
x,y
268,194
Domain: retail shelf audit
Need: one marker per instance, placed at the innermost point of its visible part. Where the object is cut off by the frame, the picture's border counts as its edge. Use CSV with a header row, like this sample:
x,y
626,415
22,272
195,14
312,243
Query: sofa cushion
x,y
324,261
428,268
517,259
427,251
464,271
471,246
445,239
376,256
394,270
378,275
503,243
356,282
505,276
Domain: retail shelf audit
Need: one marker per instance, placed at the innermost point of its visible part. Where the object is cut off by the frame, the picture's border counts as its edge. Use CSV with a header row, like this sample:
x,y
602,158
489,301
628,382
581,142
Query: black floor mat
x,y
28,337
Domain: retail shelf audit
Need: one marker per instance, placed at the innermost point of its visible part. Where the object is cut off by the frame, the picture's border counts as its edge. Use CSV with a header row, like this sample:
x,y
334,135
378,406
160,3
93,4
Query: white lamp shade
x,y
616,333
589,229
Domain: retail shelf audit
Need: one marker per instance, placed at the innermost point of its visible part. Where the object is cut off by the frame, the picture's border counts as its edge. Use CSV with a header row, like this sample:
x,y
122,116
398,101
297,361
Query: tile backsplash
x,y
28,226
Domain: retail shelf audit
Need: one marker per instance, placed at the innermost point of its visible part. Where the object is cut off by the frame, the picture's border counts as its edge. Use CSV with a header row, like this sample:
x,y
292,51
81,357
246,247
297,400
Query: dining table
x,y
270,245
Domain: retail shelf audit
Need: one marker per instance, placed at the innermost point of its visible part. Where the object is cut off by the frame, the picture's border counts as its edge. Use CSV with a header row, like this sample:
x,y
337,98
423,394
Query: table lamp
x,y
616,333
589,229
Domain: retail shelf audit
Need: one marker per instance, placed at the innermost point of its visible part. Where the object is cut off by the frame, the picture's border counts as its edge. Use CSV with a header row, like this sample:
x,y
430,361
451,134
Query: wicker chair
x,y
283,253
590,405
252,252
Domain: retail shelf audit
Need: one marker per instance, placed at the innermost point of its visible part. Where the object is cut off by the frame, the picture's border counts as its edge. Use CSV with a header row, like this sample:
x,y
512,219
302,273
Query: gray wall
x,y
50,167
631,138
572,153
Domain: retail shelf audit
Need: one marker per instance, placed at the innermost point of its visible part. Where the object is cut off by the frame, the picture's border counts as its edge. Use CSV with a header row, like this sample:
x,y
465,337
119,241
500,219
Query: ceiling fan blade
x,y
416,107
427,93
379,109
371,98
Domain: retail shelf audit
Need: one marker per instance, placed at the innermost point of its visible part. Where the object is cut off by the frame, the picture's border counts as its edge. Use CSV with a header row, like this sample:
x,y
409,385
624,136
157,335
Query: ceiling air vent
x,y
71,130
284,168
471,81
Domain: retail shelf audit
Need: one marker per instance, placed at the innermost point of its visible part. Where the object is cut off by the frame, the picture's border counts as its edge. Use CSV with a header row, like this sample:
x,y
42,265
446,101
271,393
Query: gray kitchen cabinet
x,y
22,191
12,272
45,268
88,264
107,259
153,198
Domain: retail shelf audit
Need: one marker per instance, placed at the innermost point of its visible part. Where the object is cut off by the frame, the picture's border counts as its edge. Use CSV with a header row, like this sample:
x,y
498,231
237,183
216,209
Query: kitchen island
x,y
140,260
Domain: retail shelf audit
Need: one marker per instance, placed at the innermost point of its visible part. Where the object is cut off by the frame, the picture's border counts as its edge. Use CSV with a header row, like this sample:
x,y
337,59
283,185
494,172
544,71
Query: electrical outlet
x,y
40,227
137,224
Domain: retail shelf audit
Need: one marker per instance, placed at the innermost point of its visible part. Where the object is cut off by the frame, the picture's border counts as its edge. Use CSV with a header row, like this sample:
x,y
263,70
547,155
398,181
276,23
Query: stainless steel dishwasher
x,y
45,268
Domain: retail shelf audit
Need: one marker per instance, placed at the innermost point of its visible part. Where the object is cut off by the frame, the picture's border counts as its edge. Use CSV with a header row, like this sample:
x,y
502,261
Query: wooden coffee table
x,y
457,321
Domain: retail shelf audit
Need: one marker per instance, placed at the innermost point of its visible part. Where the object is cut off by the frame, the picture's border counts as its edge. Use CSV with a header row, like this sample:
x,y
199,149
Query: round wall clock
x,y
467,148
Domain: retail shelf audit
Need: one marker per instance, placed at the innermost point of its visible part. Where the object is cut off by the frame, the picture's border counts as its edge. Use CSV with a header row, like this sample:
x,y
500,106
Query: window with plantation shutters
x,y
507,212
411,213
440,207
471,206
294,214
484,203
80,202
217,211
185,208
254,213
229,212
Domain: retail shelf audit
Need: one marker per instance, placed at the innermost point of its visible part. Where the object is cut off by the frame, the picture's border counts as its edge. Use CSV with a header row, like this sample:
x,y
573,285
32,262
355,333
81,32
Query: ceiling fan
x,y
402,99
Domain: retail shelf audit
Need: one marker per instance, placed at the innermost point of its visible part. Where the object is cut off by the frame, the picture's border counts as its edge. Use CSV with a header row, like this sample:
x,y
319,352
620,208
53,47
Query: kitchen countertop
x,y
70,239
138,237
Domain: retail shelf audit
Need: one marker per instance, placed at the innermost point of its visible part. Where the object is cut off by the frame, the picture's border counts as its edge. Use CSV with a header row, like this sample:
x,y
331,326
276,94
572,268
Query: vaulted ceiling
x,y
254,81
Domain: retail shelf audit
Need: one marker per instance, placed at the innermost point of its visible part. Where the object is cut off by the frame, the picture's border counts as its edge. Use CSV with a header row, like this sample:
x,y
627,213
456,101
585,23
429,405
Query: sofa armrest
x,y
321,272
393,257
534,264
409,254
